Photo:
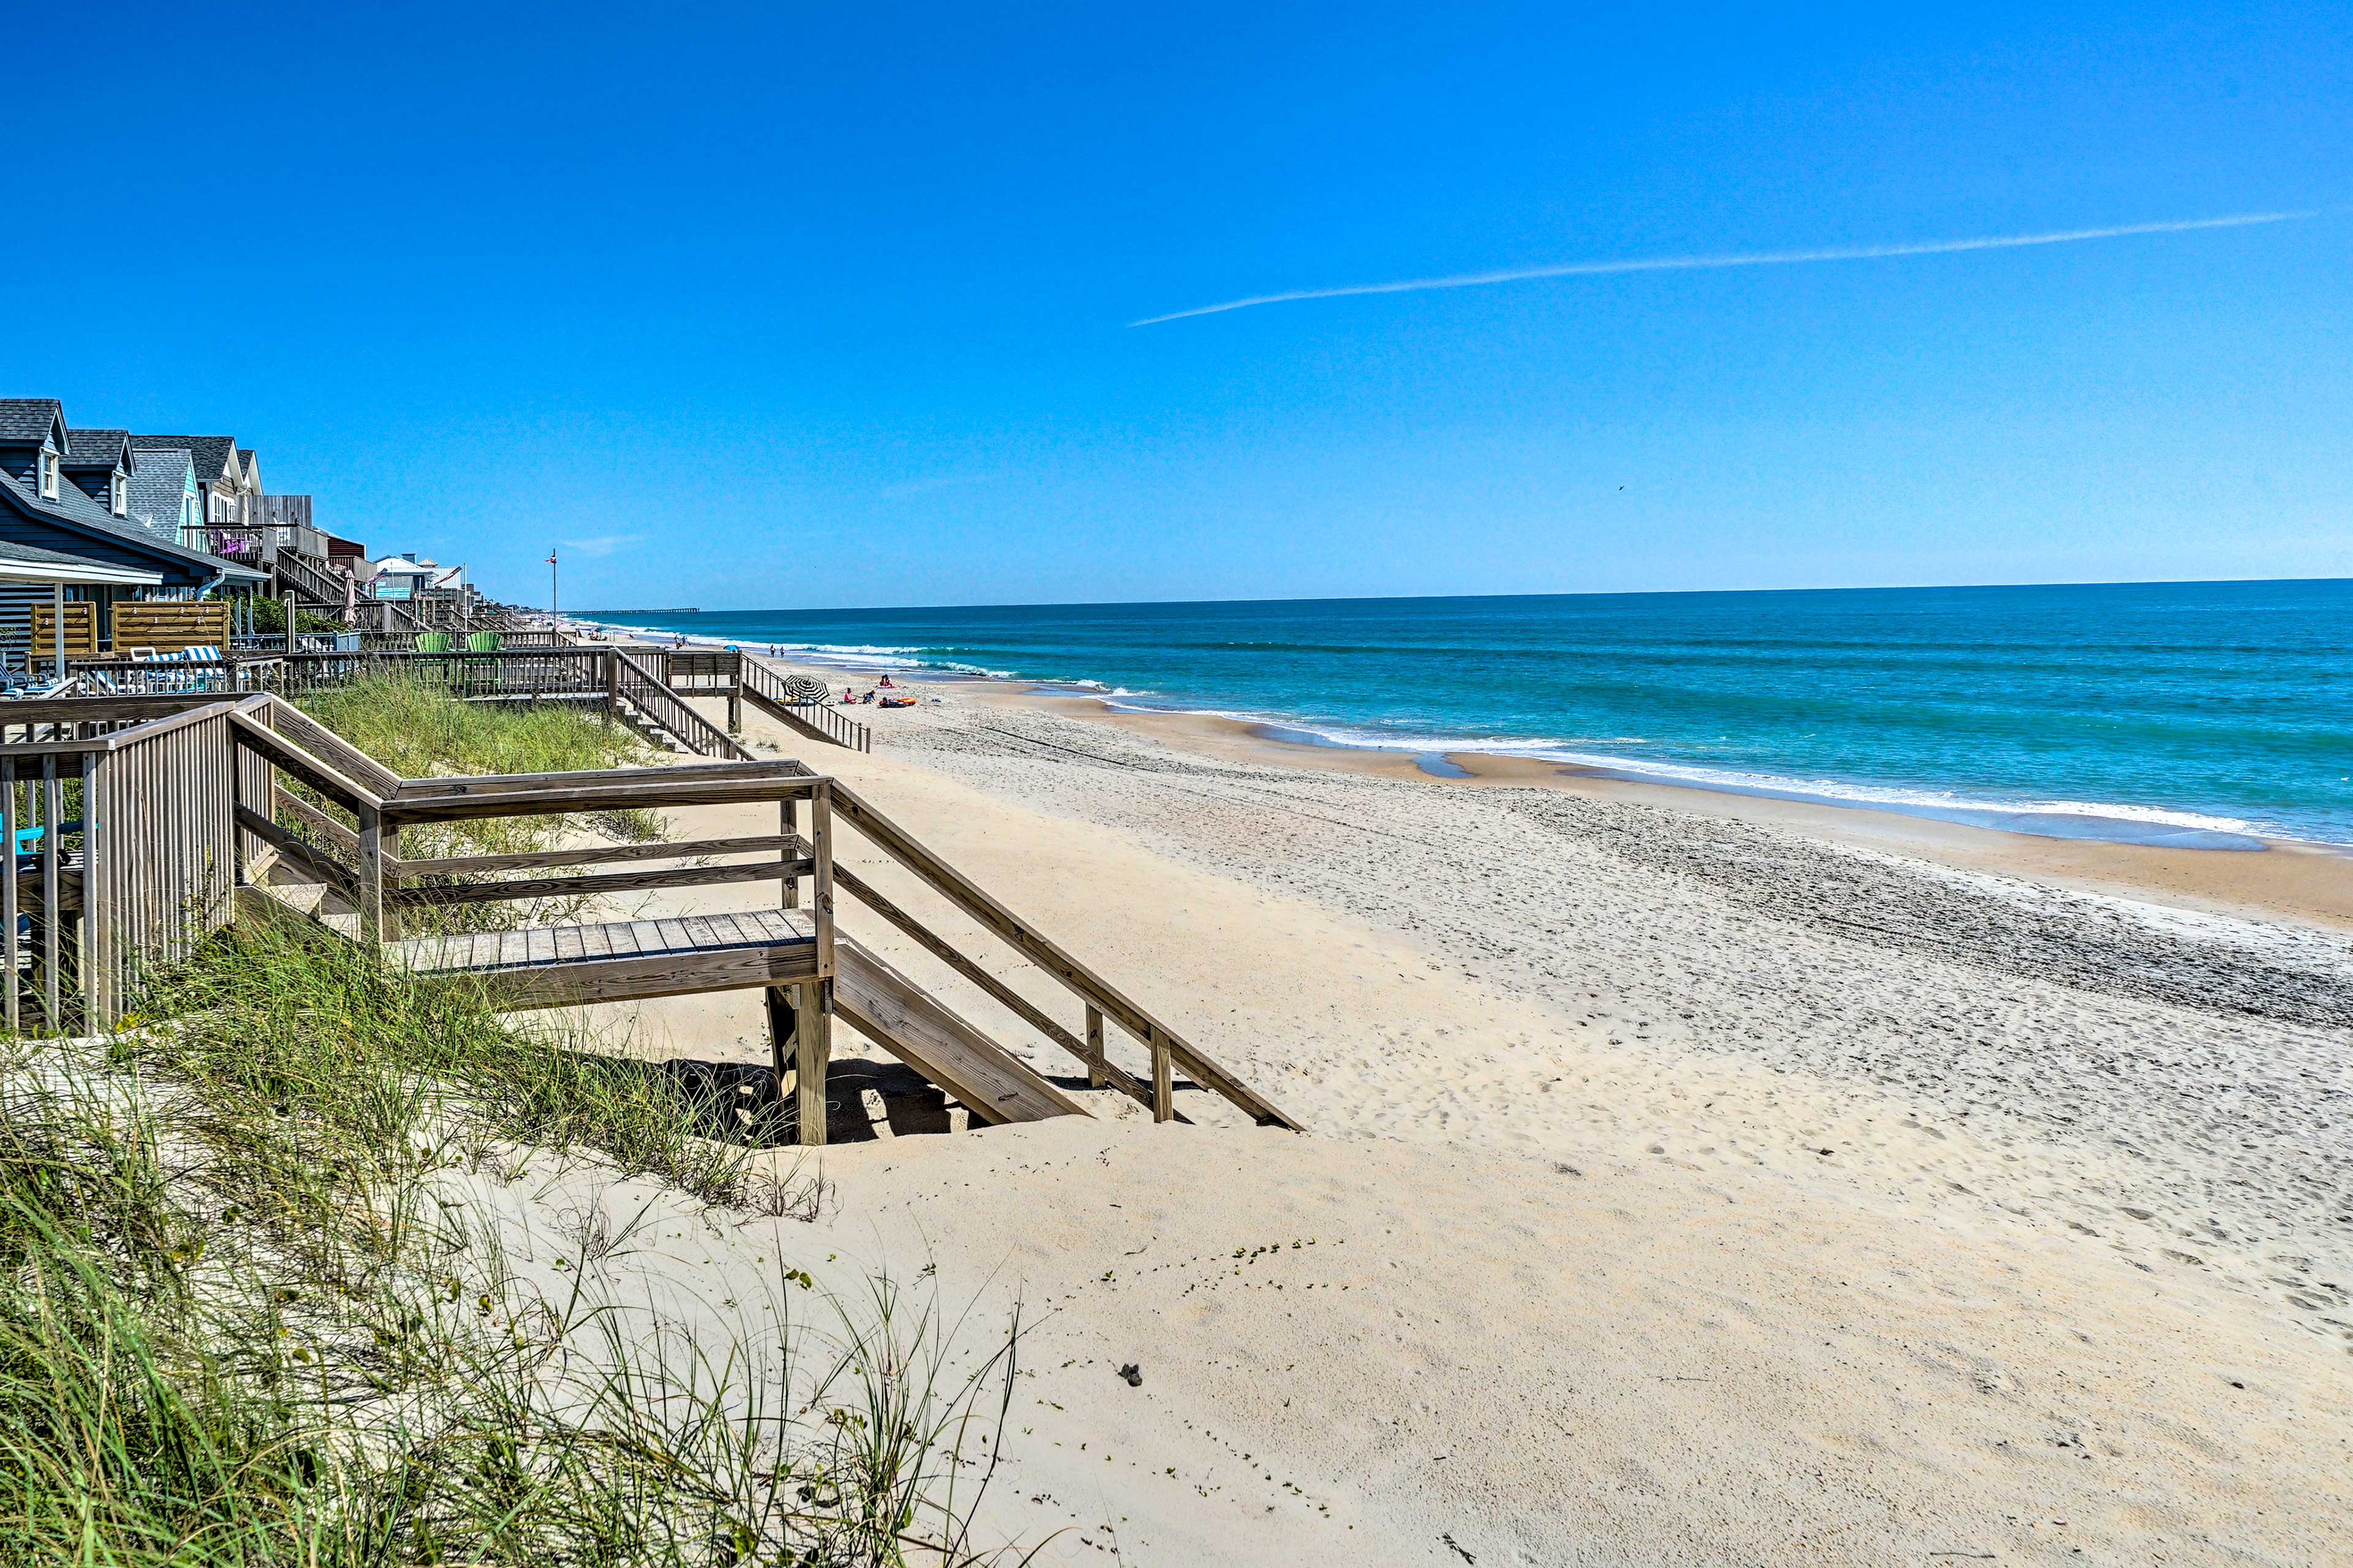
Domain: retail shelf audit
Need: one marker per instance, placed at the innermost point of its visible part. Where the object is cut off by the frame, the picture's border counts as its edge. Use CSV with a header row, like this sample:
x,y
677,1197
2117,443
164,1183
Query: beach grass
x,y
254,1309
413,726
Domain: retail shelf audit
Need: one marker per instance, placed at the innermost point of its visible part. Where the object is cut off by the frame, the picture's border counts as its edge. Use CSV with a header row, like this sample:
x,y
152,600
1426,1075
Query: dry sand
x,y
1688,1182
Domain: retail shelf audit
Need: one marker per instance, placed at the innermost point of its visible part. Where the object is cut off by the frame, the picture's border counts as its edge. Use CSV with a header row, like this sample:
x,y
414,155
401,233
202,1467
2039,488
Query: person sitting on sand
x,y
848,696
886,680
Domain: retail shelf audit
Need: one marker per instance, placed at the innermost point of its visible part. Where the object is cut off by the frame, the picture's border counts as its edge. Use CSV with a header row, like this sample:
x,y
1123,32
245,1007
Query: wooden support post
x,y
1163,1096
392,923
781,1042
1095,1046
371,858
58,624
290,623
812,1051
612,662
788,827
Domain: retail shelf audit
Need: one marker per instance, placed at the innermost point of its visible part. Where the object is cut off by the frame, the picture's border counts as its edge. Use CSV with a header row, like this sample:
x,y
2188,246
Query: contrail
x,y
1750,259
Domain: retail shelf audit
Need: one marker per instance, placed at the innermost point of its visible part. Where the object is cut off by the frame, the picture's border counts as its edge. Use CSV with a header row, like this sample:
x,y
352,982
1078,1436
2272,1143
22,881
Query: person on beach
x,y
886,680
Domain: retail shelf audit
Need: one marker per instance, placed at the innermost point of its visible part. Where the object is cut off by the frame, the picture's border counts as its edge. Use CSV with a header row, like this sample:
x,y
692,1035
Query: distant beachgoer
x,y
886,680
848,696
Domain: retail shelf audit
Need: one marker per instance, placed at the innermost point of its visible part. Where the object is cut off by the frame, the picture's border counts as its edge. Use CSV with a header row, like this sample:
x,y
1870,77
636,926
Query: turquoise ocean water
x,y
2195,713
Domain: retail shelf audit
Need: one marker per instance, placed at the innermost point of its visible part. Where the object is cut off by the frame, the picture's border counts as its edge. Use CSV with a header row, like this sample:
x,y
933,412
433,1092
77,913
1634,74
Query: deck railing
x,y
148,812
128,807
638,686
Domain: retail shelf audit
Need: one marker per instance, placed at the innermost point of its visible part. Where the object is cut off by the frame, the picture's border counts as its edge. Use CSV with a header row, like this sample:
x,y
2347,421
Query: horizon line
x,y
1735,259
1563,594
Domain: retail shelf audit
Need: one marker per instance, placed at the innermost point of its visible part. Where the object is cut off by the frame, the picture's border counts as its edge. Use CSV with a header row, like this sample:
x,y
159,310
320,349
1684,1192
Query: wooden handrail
x,y
1076,976
286,756
637,686
1028,1012
818,720
597,855
588,885
450,784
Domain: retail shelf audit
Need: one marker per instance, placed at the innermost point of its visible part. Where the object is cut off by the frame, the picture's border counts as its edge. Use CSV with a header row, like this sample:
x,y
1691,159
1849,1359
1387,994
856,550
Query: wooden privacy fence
x,y
168,625
81,630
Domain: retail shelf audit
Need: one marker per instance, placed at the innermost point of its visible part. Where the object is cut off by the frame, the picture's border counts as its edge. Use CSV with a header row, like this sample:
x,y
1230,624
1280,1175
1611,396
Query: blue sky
x,y
807,306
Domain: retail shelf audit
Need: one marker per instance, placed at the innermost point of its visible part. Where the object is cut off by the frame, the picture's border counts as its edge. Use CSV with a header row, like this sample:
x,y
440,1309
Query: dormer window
x,y
118,497
48,474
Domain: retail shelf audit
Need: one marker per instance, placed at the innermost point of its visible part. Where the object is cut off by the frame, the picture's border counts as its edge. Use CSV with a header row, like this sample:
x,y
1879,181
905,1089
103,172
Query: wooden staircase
x,y
306,862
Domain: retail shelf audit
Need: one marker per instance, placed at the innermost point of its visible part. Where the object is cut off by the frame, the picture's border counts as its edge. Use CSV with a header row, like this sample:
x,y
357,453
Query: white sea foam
x,y
1578,752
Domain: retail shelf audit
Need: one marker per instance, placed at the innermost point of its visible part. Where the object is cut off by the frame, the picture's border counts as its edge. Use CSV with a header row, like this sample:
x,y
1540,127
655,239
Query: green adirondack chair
x,y
481,673
433,668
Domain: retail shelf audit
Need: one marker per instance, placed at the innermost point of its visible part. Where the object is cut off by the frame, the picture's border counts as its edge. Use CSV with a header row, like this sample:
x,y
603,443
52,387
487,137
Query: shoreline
x,y
1738,1152
2302,880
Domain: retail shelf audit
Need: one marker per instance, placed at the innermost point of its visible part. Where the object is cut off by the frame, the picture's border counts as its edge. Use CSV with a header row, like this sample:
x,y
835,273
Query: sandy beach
x,y
1689,1178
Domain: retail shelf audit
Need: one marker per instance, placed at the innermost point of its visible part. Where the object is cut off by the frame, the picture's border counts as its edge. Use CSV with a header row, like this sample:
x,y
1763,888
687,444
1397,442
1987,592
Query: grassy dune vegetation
x,y
248,1315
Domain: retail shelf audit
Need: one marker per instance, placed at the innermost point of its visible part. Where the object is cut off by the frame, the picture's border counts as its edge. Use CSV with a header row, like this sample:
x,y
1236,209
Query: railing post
x,y
1094,1045
788,827
52,928
371,858
1163,1088
821,891
96,910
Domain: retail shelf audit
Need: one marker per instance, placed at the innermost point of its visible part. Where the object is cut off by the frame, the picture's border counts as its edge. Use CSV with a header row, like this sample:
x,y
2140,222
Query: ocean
x,y
2209,714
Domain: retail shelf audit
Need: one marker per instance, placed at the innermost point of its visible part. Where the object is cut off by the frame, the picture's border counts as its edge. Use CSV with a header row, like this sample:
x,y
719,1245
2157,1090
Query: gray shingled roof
x,y
96,448
73,506
34,553
213,453
156,486
26,421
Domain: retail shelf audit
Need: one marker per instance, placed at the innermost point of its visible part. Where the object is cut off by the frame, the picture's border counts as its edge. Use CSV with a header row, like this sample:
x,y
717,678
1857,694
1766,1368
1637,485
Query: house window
x,y
49,475
121,495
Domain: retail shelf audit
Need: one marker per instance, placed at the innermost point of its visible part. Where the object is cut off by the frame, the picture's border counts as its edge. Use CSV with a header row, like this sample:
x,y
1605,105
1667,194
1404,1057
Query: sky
x,y
749,306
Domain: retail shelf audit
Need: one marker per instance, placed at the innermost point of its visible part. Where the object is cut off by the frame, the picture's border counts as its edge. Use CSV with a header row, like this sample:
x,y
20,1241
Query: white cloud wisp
x,y
1750,259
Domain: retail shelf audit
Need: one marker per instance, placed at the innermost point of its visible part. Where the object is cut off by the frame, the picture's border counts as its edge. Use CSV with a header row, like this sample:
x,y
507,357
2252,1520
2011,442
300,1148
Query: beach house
x,y
59,502
222,486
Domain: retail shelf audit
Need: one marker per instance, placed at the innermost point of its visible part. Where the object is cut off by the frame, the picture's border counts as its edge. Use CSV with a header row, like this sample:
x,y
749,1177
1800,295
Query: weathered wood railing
x,y
1165,1048
128,805
635,685
361,861
818,720
151,810
548,673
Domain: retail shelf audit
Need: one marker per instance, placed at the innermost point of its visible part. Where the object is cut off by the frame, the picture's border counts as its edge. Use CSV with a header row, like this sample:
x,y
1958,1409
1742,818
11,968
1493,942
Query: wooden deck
x,y
623,960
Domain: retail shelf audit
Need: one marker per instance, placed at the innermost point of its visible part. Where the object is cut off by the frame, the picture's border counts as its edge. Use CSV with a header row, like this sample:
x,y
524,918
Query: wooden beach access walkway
x,y
645,688
196,808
